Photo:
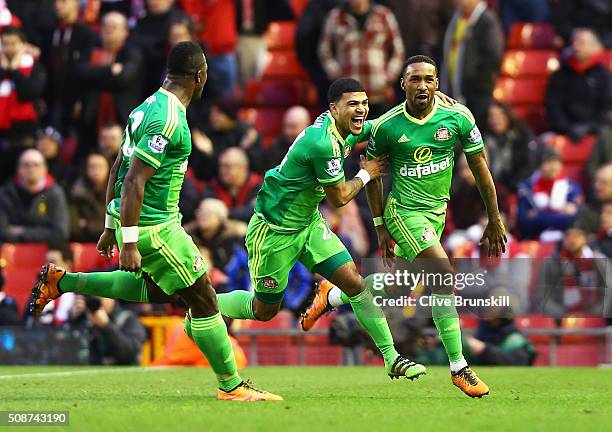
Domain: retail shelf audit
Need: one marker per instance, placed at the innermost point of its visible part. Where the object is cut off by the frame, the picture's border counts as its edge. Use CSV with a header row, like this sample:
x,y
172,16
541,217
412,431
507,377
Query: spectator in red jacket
x,y
362,40
548,200
236,185
219,32
32,207
22,81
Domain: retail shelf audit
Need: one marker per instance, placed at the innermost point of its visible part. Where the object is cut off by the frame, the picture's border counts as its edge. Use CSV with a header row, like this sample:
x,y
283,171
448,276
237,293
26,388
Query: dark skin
x,y
201,296
420,82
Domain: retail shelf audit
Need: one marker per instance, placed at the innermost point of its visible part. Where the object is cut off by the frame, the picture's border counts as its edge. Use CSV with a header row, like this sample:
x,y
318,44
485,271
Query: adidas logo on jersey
x,y
403,139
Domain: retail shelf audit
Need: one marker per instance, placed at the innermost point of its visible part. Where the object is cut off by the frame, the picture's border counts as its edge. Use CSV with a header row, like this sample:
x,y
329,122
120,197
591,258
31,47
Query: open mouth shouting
x,y
357,121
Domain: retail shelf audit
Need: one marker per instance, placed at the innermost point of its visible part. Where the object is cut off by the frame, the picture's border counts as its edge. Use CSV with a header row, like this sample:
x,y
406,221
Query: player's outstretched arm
x,y
132,195
342,193
107,241
494,236
375,193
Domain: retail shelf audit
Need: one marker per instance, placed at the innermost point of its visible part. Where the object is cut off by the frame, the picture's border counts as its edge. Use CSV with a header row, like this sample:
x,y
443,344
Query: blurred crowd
x,y
72,70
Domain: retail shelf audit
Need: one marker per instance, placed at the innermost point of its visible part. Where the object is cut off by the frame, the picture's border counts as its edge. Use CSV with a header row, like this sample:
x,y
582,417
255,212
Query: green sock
x,y
368,282
372,319
210,335
116,285
236,304
447,322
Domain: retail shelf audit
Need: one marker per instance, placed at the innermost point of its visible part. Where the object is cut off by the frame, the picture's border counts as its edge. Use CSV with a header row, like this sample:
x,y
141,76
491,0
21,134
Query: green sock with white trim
x,y
210,335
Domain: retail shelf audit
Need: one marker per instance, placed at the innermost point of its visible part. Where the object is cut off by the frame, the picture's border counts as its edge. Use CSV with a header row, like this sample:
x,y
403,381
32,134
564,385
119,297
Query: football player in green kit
x,y
419,136
158,261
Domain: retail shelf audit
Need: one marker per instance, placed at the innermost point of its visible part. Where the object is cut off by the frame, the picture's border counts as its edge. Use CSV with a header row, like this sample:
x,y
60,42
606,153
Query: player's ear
x,y
437,83
402,84
198,76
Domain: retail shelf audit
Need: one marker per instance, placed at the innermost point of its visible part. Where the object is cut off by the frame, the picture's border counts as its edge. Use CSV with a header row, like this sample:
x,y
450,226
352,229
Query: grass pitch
x,y
316,399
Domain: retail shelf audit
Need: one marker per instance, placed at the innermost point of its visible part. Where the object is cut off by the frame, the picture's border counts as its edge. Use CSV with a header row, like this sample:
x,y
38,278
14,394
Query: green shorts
x,y
413,231
272,255
169,255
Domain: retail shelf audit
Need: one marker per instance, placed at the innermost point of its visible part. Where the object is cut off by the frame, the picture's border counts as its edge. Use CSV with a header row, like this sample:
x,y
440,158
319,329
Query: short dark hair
x,y
12,30
419,59
185,59
341,86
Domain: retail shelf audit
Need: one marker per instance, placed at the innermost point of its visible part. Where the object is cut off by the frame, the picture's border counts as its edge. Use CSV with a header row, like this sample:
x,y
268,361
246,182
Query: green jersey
x,y
157,133
421,152
290,195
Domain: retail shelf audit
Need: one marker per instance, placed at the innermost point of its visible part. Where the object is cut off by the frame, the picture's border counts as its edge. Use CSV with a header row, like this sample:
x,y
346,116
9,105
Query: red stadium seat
x,y
281,35
22,265
570,151
282,321
86,257
584,354
283,65
268,121
322,323
275,94
581,322
531,322
531,36
529,63
520,91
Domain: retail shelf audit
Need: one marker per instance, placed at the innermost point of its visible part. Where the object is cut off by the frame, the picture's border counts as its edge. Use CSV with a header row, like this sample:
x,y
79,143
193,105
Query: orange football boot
x,y
46,288
320,306
469,383
245,392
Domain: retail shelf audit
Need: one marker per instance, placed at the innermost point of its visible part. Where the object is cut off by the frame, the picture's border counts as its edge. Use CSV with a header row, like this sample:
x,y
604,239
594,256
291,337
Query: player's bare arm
x,y
375,193
132,195
342,193
107,241
494,236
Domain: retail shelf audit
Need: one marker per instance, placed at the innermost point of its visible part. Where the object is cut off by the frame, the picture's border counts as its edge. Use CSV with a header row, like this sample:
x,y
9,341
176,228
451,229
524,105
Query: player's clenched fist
x,y
129,258
375,167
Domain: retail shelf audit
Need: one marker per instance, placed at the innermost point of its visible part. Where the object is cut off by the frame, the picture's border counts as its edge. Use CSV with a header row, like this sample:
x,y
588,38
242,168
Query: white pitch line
x,y
81,372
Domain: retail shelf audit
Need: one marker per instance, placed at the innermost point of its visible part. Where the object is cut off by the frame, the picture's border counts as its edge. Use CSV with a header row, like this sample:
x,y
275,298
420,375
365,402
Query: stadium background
x,y
247,112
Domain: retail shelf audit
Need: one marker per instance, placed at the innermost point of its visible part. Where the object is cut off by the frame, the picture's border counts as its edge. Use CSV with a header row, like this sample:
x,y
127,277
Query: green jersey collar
x,y
173,96
424,120
333,129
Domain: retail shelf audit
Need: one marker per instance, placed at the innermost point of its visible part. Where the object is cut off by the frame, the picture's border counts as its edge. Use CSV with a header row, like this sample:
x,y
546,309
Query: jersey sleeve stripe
x,y
169,118
332,180
461,110
474,149
176,121
147,157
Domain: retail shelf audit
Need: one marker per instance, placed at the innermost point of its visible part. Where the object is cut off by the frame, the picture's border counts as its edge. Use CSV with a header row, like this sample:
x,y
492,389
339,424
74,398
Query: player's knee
x,y
353,284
